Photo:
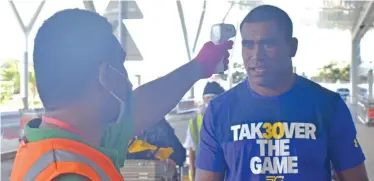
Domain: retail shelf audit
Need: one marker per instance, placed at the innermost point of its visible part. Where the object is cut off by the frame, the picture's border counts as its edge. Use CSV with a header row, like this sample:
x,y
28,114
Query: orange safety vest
x,y
46,159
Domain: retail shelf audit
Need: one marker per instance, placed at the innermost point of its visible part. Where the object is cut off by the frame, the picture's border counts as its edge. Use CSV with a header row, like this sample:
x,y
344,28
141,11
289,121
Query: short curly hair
x,y
270,13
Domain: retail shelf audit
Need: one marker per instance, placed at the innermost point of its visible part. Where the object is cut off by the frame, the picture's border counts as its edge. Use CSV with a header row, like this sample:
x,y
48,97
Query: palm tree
x,y
332,72
10,73
6,92
239,74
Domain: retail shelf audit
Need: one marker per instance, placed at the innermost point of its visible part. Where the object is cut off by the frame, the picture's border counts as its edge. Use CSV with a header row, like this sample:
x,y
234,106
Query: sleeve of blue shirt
x,y
210,154
344,150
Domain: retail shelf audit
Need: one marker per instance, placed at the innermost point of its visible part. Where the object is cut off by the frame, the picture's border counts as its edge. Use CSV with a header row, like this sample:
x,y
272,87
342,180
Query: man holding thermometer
x,y
91,111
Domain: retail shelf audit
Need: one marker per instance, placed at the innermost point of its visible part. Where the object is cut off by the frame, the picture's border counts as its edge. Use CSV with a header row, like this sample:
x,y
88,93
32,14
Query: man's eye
x,y
269,43
247,44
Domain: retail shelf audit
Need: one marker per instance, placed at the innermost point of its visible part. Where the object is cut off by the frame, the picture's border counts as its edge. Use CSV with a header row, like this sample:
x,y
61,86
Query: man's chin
x,y
258,81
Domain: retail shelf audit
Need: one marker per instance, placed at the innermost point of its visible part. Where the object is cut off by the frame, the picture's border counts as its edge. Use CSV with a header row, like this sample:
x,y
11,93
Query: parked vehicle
x,y
344,93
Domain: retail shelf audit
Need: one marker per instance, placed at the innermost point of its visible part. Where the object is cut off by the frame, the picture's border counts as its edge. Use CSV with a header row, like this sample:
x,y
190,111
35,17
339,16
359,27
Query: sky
x,y
161,25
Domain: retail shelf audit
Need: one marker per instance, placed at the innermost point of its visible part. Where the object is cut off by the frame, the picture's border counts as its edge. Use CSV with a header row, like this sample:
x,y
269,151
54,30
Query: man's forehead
x,y
261,30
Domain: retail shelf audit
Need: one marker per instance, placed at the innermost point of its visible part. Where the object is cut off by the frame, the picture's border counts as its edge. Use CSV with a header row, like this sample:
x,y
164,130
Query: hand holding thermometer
x,y
221,33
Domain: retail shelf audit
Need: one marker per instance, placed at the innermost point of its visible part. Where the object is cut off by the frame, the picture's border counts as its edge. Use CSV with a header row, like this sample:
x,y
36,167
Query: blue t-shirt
x,y
256,138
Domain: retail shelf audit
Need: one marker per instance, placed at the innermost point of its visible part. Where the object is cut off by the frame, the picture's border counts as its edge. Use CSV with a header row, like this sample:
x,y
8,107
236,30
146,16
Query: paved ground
x,y
6,168
10,134
365,137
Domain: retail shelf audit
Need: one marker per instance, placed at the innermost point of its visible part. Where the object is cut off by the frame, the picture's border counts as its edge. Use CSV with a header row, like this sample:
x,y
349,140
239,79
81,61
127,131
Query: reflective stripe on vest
x,y
47,159
195,125
61,156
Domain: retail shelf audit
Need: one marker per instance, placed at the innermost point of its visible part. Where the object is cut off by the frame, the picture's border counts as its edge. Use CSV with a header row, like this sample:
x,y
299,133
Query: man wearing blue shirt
x,y
276,125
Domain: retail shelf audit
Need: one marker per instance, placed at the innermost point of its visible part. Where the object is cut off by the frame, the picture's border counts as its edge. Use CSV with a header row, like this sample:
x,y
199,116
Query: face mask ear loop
x,y
122,111
115,70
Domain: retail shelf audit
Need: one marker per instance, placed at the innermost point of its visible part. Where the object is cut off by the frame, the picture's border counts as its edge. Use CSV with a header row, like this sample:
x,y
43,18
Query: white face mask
x,y
114,136
124,107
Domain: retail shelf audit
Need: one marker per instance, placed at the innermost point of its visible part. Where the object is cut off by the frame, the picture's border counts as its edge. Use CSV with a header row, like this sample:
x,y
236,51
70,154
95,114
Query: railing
x,y
15,114
9,114
9,155
364,111
14,119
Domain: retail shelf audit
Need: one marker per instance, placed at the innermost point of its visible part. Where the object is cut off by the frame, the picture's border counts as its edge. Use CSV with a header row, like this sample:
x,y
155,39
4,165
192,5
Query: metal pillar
x,y
230,70
24,72
370,85
185,35
89,5
364,22
202,16
230,66
354,76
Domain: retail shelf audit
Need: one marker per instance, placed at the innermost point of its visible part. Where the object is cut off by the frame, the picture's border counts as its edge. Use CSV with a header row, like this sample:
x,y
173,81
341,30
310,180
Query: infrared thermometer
x,y
221,33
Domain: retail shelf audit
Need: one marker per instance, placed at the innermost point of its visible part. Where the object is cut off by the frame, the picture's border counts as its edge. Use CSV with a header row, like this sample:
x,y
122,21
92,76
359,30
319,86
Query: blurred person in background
x,y
211,90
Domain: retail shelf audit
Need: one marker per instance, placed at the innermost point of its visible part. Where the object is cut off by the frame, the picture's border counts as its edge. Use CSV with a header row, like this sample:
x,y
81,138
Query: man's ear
x,y
293,46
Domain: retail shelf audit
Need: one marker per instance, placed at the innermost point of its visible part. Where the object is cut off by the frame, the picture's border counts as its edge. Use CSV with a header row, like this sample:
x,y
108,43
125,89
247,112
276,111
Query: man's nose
x,y
258,51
